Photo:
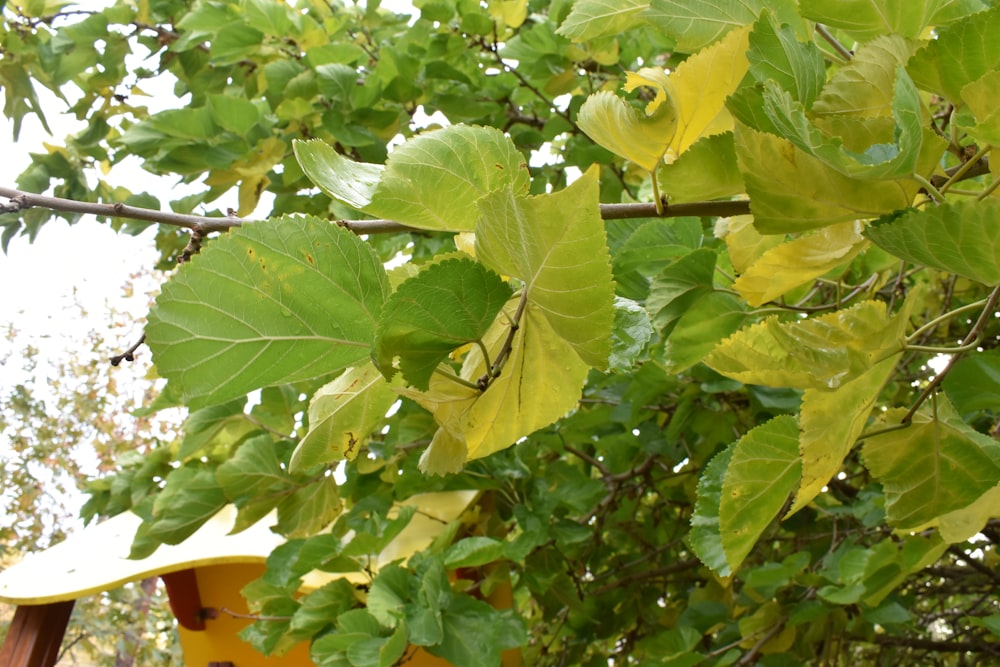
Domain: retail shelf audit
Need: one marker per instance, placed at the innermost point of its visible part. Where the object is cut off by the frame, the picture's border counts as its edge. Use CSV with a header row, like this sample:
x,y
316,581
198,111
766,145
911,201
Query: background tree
x,y
672,277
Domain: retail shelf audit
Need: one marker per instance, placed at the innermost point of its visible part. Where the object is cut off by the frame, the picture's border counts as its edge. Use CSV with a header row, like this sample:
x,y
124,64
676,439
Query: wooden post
x,y
35,635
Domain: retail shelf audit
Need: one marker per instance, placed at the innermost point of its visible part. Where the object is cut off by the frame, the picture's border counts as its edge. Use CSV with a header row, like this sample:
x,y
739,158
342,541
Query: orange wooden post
x,y
35,635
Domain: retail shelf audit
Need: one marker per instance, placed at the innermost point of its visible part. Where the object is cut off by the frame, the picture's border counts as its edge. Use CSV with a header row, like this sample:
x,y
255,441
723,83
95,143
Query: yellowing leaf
x,y
700,86
509,13
820,352
982,97
556,245
791,264
745,243
540,382
641,137
831,422
341,414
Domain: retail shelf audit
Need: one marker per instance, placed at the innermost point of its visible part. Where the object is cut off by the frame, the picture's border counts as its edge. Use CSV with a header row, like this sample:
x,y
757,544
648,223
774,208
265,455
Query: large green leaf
x,y
763,471
706,170
700,330
190,497
981,117
962,53
309,509
821,352
961,237
435,180
556,245
865,86
273,302
445,306
696,24
973,384
678,288
341,415
865,19
934,466
352,183
596,18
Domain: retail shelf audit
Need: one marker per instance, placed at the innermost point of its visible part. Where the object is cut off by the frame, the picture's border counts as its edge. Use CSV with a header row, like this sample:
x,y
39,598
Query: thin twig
x,y
129,354
834,42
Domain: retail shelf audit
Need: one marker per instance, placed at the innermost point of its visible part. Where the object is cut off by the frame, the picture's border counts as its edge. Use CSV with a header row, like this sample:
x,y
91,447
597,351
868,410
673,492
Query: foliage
x,y
663,415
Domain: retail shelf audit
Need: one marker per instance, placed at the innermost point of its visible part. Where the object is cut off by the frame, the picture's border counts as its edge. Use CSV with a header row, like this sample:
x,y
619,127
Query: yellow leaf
x,y
509,13
700,85
791,264
745,243
640,137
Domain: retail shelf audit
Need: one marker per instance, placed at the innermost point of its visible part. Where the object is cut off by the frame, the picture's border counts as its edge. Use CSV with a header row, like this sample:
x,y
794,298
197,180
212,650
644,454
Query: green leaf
x,y
679,287
796,262
763,471
982,100
776,54
352,183
215,427
476,633
962,53
473,552
864,87
590,19
973,384
556,245
310,509
705,539
706,170
341,415
320,607
253,471
935,466
700,330
960,237
190,497
831,422
640,136
445,306
435,180
630,335
696,24
866,19
820,352
273,302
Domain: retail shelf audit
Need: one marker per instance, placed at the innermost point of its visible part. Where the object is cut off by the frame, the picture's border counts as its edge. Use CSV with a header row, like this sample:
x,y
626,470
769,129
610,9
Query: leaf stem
x,y
973,335
825,33
943,318
508,344
485,352
965,168
656,193
456,379
934,193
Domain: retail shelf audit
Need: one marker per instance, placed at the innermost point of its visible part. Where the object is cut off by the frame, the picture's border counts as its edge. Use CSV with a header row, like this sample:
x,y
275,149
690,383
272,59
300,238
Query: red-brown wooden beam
x,y
35,635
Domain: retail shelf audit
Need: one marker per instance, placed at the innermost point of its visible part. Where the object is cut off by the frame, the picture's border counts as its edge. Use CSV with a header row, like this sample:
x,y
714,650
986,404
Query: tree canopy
x,y
701,296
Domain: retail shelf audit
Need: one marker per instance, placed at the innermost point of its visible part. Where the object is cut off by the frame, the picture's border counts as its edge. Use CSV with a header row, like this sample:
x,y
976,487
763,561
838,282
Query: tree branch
x,y
203,225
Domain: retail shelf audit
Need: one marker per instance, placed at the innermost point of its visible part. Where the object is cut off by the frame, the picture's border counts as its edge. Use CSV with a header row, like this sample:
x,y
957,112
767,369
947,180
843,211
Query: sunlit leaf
x,y
435,180
341,415
343,179
556,245
961,237
798,261
699,88
932,467
820,352
983,101
272,302
763,471
697,24
639,136
706,170
596,18
310,509
962,53
445,306
629,336
865,19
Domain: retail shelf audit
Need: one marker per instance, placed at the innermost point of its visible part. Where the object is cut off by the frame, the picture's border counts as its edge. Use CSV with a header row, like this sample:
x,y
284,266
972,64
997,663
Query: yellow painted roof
x,y
96,558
